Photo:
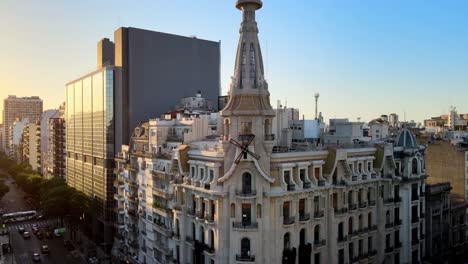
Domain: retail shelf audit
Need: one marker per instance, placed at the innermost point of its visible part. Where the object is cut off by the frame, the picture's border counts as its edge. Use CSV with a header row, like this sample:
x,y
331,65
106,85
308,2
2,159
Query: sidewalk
x,y
85,247
8,259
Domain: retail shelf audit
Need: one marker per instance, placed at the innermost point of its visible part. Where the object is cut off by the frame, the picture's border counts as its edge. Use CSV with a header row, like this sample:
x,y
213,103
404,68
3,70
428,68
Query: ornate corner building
x,y
227,197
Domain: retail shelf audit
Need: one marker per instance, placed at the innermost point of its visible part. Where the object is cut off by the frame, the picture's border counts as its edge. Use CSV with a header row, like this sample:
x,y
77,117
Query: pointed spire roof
x,y
248,93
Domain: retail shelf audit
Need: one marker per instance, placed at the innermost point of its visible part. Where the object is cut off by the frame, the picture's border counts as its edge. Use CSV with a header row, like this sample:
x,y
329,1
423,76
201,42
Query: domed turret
x,y
406,139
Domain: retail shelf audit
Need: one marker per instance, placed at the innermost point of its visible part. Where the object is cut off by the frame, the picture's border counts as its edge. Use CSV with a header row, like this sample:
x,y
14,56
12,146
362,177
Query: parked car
x,y
49,235
45,249
21,230
36,257
35,229
26,235
57,235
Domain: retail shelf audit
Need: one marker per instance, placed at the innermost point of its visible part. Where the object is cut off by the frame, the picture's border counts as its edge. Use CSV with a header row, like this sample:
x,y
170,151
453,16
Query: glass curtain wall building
x,y
90,138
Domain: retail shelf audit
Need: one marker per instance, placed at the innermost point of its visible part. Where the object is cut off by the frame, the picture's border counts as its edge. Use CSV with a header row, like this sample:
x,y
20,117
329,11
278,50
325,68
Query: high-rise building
x,y
152,70
19,107
32,145
56,153
15,139
393,120
230,198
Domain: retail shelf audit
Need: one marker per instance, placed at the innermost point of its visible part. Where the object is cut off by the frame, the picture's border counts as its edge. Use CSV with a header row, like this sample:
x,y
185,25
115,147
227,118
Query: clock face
x,y
246,140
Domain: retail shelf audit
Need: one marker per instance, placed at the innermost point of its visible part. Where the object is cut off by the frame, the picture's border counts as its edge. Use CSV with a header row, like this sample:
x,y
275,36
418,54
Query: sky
x,y
364,57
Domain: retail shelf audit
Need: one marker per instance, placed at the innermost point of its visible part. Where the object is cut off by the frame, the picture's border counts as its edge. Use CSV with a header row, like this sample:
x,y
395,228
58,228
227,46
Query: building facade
x,y
15,139
445,225
228,198
57,153
19,107
31,139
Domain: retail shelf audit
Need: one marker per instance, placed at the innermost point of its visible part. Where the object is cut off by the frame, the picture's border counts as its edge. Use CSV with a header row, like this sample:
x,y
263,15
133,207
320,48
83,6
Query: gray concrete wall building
x,y
157,70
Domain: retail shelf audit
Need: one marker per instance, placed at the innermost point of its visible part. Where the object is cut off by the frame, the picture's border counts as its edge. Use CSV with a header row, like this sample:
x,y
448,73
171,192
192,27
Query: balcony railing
x,y
245,258
398,222
352,206
245,225
372,253
414,219
388,225
319,243
414,241
388,249
397,199
397,245
288,220
372,228
306,185
340,211
372,203
342,239
388,201
414,198
321,183
269,137
191,211
291,187
209,249
246,193
362,205
318,214
304,217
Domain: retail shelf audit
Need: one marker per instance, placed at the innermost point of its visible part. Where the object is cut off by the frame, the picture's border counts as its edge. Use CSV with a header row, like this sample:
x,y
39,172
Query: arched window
x,y
302,237
177,225
233,210
350,225
246,183
245,247
361,224
193,232
414,166
202,234
259,211
287,241
212,238
340,231
267,129
317,233
369,219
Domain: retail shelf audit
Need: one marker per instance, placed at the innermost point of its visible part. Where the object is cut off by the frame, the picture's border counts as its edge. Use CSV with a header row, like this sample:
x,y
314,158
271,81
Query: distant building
x,y
48,114
446,225
32,145
344,132
450,121
2,135
56,163
378,129
393,120
19,107
15,139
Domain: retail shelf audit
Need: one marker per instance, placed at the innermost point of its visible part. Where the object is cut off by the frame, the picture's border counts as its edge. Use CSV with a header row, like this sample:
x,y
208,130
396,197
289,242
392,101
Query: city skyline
x,y
408,53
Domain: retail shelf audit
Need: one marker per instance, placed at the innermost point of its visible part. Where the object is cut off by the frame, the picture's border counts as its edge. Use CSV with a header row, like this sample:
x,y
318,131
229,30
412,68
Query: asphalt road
x,y
23,249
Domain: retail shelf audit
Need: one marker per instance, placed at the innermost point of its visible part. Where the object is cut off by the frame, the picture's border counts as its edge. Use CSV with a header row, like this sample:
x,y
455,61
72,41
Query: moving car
x,y
39,235
36,257
26,235
21,230
45,249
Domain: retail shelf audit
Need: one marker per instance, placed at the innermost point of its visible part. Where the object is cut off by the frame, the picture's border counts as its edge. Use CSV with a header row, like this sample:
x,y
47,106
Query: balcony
x,y
423,194
342,239
414,219
423,236
319,243
318,214
422,215
388,201
414,198
388,249
209,249
363,256
372,203
352,207
191,212
269,137
353,233
321,183
341,211
245,258
372,228
246,194
353,259
397,245
306,185
291,187
372,253
397,199
388,225
415,241
189,240
245,225
363,205
398,222
304,217
354,178
288,220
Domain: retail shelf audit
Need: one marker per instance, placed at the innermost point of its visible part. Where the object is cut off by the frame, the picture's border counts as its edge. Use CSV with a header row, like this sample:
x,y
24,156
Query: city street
x,y
23,249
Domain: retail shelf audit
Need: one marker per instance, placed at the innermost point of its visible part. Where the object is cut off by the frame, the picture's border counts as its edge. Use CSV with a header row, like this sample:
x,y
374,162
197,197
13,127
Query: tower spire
x,y
248,93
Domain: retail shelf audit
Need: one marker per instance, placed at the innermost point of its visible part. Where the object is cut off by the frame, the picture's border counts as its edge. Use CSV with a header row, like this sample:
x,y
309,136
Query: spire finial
x,y
241,4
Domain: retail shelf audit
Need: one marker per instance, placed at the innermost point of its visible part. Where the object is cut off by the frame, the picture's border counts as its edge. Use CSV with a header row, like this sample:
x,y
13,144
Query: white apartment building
x,y
226,197
15,139
31,139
